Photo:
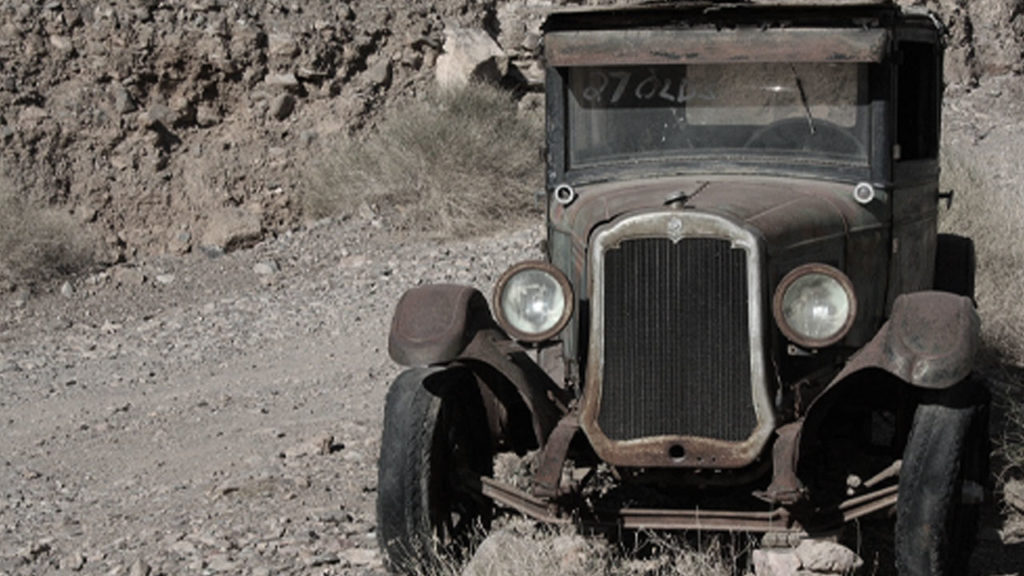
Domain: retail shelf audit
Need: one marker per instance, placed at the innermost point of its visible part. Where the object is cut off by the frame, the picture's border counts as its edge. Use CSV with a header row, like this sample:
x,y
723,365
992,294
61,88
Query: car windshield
x,y
805,112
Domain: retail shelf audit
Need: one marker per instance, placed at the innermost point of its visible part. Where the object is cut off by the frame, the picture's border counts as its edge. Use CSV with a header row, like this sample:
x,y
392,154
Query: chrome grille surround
x,y
679,450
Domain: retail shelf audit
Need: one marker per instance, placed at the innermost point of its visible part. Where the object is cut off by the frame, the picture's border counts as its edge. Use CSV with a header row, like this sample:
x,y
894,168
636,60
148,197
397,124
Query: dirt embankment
x,y
149,119
159,124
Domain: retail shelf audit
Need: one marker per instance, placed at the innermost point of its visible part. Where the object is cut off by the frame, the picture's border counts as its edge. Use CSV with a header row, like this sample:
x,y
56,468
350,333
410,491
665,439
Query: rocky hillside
x,y
167,125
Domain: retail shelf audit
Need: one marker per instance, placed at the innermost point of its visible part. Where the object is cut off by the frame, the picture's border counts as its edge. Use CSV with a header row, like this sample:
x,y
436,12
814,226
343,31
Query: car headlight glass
x,y
533,301
815,305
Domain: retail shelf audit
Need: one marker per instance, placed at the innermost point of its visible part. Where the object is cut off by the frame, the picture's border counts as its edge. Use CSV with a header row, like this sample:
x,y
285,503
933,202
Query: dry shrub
x,y
523,547
1011,444
458,163
37,244
991,213
989,207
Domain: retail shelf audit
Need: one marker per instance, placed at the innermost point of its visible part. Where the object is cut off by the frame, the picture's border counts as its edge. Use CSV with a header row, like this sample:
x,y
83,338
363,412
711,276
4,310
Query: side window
x,y
917,111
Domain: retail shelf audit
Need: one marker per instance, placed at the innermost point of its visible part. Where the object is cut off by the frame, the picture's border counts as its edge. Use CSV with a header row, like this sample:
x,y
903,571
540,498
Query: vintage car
x,y
746,319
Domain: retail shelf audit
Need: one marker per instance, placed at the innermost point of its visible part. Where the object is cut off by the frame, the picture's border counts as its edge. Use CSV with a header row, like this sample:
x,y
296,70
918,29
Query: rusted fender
x,y
443,324
433,324
930,341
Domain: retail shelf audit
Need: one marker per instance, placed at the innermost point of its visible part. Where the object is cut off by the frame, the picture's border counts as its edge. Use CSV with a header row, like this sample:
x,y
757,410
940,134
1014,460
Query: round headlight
x,y
533,301
814,305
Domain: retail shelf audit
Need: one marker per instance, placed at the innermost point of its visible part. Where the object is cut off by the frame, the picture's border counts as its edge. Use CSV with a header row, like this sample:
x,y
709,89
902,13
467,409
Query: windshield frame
x,y
627,47
747,112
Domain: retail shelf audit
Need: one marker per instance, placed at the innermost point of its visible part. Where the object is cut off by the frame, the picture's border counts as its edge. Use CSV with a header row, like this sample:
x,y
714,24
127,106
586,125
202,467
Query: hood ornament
x,y
675,230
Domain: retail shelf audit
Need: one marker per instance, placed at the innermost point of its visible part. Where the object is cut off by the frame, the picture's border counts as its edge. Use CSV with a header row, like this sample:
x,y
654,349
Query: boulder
x,y
231,228
827,557
470,55
775,562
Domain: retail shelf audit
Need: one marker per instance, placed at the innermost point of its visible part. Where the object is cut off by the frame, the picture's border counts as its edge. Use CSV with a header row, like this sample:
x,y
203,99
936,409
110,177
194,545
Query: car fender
x,y
433,324
929,341
445,324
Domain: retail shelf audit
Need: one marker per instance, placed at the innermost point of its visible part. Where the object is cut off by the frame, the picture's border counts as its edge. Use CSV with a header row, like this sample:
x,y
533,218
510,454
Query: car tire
x,y
427,513
955,265
942,482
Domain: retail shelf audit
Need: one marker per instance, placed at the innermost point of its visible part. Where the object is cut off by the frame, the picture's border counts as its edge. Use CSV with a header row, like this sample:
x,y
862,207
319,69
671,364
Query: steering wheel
x,y
795,134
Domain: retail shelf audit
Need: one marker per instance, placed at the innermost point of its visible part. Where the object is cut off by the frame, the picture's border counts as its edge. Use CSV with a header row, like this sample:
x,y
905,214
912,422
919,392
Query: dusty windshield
x,y
807,112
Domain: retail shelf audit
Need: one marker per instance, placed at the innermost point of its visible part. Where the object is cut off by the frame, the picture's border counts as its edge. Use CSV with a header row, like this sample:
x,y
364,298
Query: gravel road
x,y
213,413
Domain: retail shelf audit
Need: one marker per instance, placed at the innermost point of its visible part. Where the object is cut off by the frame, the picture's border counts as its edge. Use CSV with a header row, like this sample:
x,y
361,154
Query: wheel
x,y
941,488
955,265
433,450
796,134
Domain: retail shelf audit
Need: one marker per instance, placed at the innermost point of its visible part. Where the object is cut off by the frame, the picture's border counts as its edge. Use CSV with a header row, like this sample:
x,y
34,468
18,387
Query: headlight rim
x,y
789,279
567,293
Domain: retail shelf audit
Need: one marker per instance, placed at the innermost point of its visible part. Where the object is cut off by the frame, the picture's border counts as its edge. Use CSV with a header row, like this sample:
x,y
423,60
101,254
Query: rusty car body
x,y
746,319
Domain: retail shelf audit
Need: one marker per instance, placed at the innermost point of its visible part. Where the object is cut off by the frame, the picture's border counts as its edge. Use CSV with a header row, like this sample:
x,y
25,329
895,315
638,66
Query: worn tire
x,y
955,265
947,450
426,513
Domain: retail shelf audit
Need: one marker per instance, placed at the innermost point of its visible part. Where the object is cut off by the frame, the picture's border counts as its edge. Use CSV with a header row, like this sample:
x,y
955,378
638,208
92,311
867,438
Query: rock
x,y
571,552
232,228
8,366
72,562
266,268
282,106
221,563
164,279
378,76
491,557
470,55
156,116
32,115
282,46
61,44
829,557
180,243
66,290
520,23
286,81
775,562
519,549
319,445
530,72
318,560
207,116
1013,494
128,276
139,568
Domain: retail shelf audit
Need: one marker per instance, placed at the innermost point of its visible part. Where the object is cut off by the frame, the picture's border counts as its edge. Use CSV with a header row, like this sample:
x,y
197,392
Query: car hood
x,y
785,212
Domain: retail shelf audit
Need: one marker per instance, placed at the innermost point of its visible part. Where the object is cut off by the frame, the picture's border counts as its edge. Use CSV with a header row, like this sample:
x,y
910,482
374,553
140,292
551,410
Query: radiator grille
x,y
677,344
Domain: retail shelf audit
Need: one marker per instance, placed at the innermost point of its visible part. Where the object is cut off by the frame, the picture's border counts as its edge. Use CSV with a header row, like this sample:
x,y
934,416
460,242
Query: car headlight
x,y
814,305
533,301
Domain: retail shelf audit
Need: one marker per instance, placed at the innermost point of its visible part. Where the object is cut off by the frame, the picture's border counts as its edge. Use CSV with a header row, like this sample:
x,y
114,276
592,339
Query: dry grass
x,y
456,163
989,207
1011,442
992,215
37,245
523,547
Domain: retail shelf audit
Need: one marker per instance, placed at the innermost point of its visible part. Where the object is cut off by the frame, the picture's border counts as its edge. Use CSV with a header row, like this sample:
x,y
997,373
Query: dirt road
x,y
211,414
